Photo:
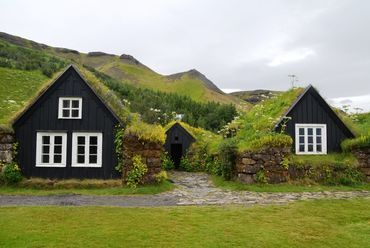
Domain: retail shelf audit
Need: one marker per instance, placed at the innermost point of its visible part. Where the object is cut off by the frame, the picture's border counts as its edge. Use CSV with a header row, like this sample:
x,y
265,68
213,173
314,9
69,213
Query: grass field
x,y
284,187
146,189
16,88
324,223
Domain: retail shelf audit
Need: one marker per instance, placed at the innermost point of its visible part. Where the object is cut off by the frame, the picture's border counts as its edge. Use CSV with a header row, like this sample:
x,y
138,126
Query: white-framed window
x,y
51,149
70,108
310,139
87,149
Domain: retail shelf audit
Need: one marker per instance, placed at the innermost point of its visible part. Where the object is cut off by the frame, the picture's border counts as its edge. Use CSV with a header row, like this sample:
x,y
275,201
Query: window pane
x,y
93,149
65,113
57,159
309,131
65,103
81,159
58,149
93,159
318,140
45,158
45,149
81,140
301,139
310,148
93,140
301,131
81,149
45,139
75,104
75,113
310,139
301,148
318,131
319,148
58,140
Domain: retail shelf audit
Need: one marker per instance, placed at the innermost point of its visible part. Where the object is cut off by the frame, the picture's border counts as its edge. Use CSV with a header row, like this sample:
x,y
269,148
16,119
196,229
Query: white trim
x,y
87,145
314,136
70,108
39,145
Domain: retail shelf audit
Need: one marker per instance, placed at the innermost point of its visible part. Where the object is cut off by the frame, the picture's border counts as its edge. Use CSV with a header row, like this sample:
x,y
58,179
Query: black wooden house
x,y
178,141
313,125
67,132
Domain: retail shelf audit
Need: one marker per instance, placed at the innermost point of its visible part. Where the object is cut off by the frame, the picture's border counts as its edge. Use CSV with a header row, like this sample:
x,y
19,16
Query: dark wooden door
x,y
176,154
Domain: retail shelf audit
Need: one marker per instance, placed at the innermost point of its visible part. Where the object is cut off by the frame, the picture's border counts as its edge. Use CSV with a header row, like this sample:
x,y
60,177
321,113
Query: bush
x,y
11,173
161,177
357,143
135,175
213,165
167,163
185,164
228,153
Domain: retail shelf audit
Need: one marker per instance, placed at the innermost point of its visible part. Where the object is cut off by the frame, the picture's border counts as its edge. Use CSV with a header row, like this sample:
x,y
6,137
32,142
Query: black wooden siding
x,y
43,116
184,138
312,109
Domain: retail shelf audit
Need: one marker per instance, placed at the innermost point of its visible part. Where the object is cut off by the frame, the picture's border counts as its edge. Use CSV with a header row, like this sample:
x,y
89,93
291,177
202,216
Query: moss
x,y
360,142
146,132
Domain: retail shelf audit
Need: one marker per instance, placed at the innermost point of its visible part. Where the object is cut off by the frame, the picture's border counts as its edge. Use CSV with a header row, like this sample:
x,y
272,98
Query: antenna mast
x,y
293,79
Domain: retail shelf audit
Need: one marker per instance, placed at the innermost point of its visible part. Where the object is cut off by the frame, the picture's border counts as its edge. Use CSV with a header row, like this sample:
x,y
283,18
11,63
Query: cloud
x,y
291,56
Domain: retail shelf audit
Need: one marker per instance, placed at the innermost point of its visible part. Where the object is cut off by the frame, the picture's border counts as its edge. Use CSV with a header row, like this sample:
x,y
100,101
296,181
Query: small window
x,y
310,138
70,108
87,149
51,149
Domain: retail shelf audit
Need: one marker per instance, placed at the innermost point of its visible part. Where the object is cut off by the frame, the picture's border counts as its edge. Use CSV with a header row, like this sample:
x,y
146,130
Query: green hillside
x,y
126,68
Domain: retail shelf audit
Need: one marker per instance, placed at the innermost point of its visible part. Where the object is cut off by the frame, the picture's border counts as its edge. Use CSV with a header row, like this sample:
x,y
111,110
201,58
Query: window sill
x,y
86,165
51,165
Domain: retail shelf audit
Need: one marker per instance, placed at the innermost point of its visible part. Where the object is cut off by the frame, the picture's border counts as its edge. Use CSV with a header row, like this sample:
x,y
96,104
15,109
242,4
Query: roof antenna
x,y
293,79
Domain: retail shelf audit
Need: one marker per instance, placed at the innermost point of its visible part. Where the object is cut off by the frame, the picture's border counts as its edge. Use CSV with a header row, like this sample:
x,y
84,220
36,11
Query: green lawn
x,y
284,187
322,223
146,189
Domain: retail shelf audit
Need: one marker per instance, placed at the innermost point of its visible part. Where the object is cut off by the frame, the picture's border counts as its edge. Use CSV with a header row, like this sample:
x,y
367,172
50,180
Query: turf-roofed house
x,y
67,131
313,125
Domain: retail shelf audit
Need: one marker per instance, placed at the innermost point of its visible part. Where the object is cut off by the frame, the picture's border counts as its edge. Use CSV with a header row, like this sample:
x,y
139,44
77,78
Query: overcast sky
x,y
237,44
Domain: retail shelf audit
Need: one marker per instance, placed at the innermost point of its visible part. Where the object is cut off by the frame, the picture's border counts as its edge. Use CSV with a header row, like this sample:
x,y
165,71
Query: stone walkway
x,y
192,189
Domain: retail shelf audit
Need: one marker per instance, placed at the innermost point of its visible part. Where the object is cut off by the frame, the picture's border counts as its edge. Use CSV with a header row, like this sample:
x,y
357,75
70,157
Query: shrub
x,y
261,176
161,177
357,143
185,164
11,173
135,175
213,165
167,163
228,153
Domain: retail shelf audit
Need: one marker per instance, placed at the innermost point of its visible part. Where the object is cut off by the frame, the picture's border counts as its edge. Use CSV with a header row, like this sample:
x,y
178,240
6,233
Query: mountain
x,y
128,69
254,96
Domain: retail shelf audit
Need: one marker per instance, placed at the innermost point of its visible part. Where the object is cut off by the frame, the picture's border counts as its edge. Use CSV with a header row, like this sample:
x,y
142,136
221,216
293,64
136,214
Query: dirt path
x,y
192,189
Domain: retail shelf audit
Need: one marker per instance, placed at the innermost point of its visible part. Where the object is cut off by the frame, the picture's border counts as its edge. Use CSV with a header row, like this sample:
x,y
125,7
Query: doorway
x,y
176,154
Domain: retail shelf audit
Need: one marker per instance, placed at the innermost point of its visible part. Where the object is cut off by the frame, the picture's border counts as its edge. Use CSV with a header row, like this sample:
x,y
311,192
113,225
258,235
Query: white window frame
x,y
87,136
323,139
39,153
70,108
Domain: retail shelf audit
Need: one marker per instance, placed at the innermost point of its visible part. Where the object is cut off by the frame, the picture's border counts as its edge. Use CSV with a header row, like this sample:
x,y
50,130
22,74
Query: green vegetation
x,y
16,89
159,107
85,187
295,186
21,58
363,122
356,143
146,132
136,173
254,129
321,223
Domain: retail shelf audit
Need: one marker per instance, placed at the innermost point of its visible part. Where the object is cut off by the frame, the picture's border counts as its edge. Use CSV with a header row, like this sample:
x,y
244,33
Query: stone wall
x,y
267,161
6,147
150,152
363,157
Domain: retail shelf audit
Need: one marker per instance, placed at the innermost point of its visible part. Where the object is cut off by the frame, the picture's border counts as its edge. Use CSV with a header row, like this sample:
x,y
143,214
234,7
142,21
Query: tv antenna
x,y
293,79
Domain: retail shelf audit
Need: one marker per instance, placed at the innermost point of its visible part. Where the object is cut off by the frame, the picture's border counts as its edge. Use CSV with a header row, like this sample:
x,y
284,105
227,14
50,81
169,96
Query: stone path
x,y
192,189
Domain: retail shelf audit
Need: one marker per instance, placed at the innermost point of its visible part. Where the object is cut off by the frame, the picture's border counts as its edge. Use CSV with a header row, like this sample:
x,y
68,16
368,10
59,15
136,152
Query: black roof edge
x,y
44,90
324,101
